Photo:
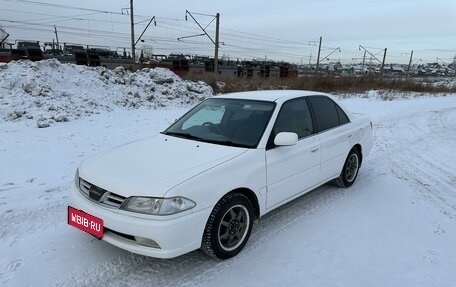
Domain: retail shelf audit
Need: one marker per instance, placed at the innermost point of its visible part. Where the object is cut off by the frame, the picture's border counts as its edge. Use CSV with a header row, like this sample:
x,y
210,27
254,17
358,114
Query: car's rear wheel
x,y
228,227
350,170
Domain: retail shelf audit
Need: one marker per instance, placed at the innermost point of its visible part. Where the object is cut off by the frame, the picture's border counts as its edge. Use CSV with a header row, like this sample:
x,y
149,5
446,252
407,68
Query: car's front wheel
x,y
228,227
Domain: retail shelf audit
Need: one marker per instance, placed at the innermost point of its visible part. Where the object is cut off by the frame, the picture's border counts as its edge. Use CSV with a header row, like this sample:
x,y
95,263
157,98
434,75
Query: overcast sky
x,y
280,30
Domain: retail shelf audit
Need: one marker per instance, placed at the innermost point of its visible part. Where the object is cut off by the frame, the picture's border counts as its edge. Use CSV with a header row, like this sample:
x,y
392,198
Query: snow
x,y
396,226
49,91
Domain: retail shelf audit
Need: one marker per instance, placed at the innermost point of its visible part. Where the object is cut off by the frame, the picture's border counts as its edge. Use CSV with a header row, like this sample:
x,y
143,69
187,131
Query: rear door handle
x,y
314,150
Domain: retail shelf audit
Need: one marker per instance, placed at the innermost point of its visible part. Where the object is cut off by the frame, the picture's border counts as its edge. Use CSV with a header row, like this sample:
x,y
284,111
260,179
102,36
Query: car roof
x,y
270,95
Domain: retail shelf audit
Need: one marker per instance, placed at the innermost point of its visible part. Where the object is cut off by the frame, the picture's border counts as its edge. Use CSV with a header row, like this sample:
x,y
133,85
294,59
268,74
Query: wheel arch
x,y
360,150
251,196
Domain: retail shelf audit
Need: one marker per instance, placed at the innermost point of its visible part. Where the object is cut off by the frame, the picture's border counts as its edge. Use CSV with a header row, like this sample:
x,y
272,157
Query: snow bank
x,y
48,91
446,82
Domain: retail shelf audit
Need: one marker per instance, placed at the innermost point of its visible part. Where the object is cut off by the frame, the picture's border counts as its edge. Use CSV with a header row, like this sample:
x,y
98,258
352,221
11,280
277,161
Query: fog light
x,y
147,242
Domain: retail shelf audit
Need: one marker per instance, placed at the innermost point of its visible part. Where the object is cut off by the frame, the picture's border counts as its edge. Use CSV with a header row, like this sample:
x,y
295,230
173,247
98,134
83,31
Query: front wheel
x,y
350,170
228,227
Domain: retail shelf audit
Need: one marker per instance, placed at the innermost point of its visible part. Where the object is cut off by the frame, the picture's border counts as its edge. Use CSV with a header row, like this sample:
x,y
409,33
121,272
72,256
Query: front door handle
x,y
314,150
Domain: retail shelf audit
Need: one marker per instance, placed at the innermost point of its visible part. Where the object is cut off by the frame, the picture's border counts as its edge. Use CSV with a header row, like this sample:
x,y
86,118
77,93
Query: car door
x,y
332,125
292,170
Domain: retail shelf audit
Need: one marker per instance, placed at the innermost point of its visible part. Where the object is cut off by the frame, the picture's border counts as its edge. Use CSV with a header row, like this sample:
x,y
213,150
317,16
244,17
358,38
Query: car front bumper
x,y
175,235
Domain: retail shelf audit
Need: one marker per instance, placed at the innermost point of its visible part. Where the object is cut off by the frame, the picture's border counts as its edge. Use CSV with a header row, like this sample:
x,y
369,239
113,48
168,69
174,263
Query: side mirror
x,y
285,139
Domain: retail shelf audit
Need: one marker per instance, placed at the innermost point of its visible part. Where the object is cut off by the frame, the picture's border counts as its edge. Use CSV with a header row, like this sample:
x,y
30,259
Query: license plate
x,y
85,222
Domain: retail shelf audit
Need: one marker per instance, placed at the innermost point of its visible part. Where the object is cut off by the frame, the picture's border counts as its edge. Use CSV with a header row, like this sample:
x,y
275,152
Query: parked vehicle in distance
x,y
230,160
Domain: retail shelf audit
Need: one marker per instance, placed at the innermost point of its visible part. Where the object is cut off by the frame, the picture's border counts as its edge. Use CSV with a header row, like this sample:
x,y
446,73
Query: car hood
x,y
152,166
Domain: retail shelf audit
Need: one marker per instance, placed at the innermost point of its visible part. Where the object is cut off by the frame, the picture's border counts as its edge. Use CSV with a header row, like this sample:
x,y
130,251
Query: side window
x,y
325,111
295,117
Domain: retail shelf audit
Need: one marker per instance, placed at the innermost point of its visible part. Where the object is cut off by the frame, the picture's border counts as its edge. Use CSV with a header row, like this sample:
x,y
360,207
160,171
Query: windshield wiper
x,y
192,137
228,143
183,135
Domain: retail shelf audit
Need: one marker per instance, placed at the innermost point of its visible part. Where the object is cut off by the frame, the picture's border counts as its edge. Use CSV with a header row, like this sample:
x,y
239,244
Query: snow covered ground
x,y
396,226
48,91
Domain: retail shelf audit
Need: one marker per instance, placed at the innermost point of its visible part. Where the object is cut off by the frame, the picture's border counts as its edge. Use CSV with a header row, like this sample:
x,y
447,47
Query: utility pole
x,y
133,54
364,62
318,57
56,37
217,31
372,56
383,62
410,64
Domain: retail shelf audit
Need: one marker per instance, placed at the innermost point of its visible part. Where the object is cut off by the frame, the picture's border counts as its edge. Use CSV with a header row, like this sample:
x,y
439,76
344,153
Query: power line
x,y
69,17
63,6
46,4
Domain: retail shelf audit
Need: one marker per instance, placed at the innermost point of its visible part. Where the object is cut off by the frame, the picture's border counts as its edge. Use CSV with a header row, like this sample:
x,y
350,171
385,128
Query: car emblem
x,y
96,193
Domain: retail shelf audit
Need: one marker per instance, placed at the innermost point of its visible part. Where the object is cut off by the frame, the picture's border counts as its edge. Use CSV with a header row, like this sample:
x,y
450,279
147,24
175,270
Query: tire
x,y
350,170
228,227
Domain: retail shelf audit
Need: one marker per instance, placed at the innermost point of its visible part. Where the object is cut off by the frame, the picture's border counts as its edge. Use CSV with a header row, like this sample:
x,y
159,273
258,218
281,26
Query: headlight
x,y
157,206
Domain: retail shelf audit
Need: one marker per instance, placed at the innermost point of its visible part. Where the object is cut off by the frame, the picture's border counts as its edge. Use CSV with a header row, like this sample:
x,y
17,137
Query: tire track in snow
x,y
10,269
415,149
17,224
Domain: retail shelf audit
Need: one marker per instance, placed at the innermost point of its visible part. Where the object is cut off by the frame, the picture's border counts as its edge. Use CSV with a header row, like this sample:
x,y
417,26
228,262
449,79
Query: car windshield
x,y
233,122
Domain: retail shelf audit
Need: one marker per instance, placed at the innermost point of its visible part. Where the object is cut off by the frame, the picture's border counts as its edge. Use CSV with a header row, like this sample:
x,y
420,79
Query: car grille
x,y
100,195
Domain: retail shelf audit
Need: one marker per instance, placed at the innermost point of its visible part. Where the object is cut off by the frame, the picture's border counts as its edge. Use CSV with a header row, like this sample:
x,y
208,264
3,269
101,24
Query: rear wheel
x,y
228,227
350,170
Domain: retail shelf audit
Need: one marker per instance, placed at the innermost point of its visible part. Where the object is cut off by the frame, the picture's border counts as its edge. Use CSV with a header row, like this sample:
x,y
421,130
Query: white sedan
x,y
203,181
